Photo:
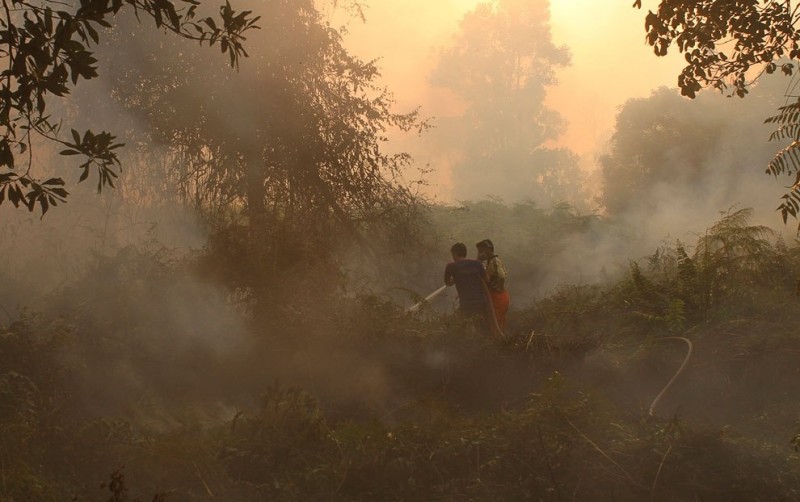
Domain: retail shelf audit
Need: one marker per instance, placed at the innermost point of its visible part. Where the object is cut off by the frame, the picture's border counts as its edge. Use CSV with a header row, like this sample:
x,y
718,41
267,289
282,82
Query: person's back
x,y
468,276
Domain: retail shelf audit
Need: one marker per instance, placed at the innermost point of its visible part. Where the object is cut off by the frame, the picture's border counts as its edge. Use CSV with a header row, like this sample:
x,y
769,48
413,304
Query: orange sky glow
x,y
610,60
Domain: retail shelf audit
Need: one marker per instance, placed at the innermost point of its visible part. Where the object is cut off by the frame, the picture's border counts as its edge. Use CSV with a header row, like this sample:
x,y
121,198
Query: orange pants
x,y
500,304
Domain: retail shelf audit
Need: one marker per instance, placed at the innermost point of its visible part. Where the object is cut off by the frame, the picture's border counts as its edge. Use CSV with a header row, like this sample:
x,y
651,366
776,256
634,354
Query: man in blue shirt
x,y
470,280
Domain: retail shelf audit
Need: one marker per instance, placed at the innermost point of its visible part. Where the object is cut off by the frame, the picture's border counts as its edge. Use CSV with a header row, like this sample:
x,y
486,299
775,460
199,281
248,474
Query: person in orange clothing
x,y
496,281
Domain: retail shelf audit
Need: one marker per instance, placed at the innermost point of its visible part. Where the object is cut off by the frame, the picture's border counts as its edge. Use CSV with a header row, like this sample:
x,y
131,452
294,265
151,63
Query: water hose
x,y
491,318
426,299
677,373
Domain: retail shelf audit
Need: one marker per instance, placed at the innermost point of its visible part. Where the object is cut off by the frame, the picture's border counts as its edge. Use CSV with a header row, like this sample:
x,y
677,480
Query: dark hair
x,y
459,249
486,244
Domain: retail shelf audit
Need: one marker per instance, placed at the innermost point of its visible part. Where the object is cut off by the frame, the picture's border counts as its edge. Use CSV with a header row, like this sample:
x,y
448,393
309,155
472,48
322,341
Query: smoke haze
x,y
684,199
263,228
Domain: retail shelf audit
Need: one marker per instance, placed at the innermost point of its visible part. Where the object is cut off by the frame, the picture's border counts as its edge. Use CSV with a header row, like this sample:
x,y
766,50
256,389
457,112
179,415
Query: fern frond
x,y
791,203
786,160
787,114
786,131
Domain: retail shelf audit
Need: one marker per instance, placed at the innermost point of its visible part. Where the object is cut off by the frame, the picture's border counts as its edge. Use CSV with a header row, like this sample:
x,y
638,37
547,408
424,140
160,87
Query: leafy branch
x,y
723,39
49,50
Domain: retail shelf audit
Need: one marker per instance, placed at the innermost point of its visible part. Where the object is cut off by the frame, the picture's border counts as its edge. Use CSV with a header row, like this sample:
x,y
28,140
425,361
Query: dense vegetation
x,y
153,382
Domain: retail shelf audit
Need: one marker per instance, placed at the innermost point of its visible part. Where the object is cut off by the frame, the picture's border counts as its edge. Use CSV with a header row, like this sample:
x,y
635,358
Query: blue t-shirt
x,y
468,277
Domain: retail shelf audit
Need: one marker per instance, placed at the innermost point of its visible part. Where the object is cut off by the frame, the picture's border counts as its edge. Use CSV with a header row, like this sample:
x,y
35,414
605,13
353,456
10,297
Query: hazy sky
x,y
610,60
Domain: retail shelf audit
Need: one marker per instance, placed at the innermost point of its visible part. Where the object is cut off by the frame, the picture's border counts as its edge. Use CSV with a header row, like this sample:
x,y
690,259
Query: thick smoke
x,y
79,249
674,167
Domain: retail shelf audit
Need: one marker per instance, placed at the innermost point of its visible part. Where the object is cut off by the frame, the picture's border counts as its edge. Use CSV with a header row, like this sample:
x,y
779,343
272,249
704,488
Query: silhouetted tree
x,y
500,66
287,154
666,150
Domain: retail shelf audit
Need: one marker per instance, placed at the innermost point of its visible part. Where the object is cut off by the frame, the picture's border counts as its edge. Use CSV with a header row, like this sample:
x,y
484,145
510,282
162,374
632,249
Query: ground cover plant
x,y
365,401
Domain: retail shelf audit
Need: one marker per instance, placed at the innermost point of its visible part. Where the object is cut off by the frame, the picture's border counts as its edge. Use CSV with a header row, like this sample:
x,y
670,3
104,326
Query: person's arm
x,y
487,272
500,269
448,276
496,273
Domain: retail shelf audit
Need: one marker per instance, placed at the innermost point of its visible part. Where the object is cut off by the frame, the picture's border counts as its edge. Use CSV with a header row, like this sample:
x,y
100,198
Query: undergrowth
x,y
360,400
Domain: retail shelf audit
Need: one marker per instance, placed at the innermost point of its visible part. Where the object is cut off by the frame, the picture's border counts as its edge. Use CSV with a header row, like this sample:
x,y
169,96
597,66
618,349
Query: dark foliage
x,y
402,406
48,47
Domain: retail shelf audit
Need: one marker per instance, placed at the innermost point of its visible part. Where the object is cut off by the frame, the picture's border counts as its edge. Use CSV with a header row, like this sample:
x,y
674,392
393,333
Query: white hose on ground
x,y
677,373
427,299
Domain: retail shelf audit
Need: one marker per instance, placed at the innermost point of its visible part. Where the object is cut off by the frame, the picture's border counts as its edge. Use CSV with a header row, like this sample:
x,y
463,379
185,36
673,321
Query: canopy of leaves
x,y
724,39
